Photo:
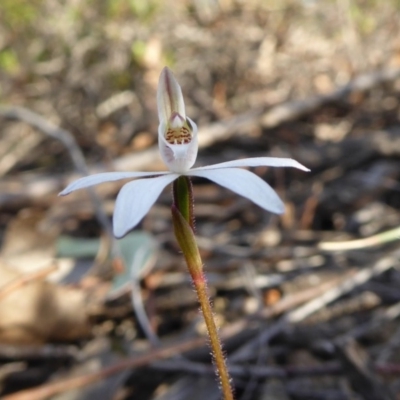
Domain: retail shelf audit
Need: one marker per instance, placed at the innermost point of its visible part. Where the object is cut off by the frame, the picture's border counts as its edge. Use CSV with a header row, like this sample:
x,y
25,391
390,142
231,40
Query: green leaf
x,y
9,61
71,247
138,251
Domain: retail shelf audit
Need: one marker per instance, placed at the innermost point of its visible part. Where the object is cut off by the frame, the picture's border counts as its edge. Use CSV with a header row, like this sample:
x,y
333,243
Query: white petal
x,y
246,184
178,157
105,177
169,97
256,162
135,200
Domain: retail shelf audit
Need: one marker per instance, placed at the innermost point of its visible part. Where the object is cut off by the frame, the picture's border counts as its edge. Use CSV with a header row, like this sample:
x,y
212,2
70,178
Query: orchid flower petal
x,y
246,184
179,157
177,134
256,162
105,177
134,201
169,97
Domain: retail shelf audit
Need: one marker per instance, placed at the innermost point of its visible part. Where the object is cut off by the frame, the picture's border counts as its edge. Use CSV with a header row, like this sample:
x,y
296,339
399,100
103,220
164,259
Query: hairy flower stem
x,y
183,199
182,217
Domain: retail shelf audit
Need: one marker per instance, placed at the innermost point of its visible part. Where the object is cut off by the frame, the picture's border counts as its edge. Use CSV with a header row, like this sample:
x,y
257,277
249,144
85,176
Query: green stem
x,y
183,227
183,199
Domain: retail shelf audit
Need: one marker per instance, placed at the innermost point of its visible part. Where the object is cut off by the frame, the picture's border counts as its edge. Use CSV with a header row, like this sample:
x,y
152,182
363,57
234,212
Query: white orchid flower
x,y
177,138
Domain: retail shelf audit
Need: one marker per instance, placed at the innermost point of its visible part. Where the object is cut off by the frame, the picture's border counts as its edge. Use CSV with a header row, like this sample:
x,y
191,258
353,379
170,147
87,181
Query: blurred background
x,y
307,302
